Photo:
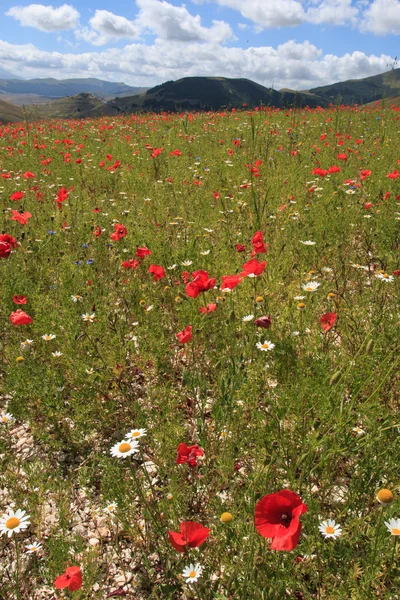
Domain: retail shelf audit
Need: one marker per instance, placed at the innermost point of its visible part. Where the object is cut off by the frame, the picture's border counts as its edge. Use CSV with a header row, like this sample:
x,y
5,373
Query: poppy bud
x,y
336,377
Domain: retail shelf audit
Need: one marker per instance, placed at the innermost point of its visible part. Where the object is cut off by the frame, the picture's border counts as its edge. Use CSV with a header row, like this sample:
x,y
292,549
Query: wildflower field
x,y
199,354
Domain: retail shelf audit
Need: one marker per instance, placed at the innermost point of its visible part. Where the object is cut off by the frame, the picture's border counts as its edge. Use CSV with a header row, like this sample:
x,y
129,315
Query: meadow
x,y
199,356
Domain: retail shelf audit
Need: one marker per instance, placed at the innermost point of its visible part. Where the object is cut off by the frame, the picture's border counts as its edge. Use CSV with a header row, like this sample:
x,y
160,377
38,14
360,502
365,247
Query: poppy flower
x,y
132,263
20,317
200,283
263,322
253,268
5,249
191,535
97,231
258,244
240,248
207,309
327,321
71,579
277,517
120,231
158,272
229,282
17,196
19,299
188,454
29,175
20,217
185,335
142,252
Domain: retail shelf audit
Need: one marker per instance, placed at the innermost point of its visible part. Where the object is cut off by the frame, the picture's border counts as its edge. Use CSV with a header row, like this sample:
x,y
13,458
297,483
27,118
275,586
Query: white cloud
x,y
268,13
45,18
382,17
333,12
105,27
170,22
290,65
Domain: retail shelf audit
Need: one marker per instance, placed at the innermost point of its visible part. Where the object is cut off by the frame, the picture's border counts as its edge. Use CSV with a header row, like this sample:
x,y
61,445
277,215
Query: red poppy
x,y
320,172
158,272
17,196
328,320
252,268
396,272
142,252
132,263
62,195
240,248
258,244
200,283
29,175
185,335
120,231
263,322
20,317
5,249
229,282
365,173
19,299
394,175
277,517
333,169
97,231
191,535
188,454
207,309
20,217
71,579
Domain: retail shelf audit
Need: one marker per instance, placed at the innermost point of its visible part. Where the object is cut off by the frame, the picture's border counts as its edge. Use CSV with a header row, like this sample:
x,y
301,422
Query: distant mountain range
x,y
77,98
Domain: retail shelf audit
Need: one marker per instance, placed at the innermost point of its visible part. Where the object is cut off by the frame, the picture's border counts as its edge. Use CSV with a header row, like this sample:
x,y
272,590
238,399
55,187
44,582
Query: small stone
x,y
94,541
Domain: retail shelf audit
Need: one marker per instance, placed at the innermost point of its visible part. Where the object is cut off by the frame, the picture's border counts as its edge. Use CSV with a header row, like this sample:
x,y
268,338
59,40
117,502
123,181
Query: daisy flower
x,y
265,346
26,343
205,253
358,430
394,526
311,286
48,336
299,297
56,354
89,371
124,449
186,263
33,548
248,318
76,298
330,529
110,508
13,522
88,318
192,573
308,243
135,434
385,277
6,418
172,267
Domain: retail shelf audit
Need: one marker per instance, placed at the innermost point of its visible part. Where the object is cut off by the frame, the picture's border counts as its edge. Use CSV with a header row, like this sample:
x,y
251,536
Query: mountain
x,y
73,107
4,74
10,113
360,91
211,93
58,88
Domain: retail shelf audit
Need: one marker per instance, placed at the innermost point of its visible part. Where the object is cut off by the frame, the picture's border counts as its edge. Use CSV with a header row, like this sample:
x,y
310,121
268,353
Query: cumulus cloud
x,y
291,65
175,23
382,17
333,12
268,13
45,18
106,27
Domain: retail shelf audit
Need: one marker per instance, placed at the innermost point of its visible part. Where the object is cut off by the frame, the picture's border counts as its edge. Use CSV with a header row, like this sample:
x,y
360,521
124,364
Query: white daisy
x,y
330,529
110,508
76,298
192,573
394,526
13,522
358,430
6,418
186,263
299,297
26,343
89,371
385,277
205,253
311,286
149,308
88,318
172,267
248,318
308,243
135,434
33,548
56,354
208,230
48,336
265,346
124,448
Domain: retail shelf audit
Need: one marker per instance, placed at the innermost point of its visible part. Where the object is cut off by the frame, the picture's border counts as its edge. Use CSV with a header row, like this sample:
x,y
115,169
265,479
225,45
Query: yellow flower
x,y
259,299
301,306
20,359
142,302
331,295
384,496
226,517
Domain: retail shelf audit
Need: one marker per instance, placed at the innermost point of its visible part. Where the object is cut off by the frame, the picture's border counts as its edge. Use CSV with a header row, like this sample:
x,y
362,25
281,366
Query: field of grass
x,y
111,221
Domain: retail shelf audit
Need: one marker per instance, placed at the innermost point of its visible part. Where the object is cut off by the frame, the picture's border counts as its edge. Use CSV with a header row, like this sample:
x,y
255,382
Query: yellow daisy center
x,y
385,496
13,522
395,531
136,434
124,447
385,275
329,529
265,345
192,574
4,419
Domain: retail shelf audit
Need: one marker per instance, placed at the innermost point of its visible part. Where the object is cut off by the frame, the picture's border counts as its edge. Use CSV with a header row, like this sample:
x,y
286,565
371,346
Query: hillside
x,y
10,113
210,93
55,88
361,91
79,106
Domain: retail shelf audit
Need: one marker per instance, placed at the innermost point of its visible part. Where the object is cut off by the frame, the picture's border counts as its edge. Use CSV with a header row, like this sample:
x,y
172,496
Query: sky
x,y
297,44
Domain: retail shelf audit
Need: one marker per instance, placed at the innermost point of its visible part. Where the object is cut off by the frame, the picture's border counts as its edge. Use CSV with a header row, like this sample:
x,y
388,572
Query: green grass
x,y
266,420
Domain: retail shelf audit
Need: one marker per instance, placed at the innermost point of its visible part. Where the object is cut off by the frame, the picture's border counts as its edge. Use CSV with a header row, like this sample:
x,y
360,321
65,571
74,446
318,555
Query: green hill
x,y
361,91
211,93
79,106
10,113
58,88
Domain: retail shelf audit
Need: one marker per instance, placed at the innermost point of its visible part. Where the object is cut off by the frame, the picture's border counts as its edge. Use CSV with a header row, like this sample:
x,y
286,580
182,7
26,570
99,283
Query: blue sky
x,y
281,43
